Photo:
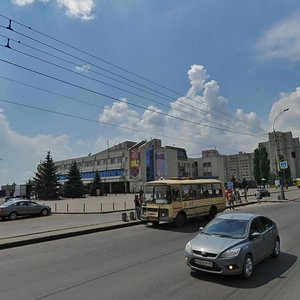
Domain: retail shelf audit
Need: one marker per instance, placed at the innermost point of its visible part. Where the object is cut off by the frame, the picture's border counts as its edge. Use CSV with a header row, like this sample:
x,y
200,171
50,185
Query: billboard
x,y
134,162
161,164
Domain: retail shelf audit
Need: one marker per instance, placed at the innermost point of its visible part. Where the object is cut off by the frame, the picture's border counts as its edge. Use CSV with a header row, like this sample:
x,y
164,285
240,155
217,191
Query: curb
x,y
66,233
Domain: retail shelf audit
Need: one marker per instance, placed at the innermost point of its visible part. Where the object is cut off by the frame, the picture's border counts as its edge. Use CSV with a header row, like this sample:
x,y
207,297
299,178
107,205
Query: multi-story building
x,y
284,145
225,167
112,165
126,166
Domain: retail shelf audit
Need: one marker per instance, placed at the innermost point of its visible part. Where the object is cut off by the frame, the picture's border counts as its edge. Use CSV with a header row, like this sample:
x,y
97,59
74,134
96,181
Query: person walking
x,y
230,199
137,206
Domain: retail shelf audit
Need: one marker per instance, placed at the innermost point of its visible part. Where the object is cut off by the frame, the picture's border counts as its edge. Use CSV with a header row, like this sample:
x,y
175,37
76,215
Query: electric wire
x,y
204,112
114,65
83,75
119,100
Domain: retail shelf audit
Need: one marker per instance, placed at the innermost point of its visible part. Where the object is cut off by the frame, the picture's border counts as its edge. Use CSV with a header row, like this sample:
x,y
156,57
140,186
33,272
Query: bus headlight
x,y
163,213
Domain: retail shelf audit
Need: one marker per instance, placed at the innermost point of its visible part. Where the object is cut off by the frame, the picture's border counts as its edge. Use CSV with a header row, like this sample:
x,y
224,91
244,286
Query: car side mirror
x,y
200,229
255,235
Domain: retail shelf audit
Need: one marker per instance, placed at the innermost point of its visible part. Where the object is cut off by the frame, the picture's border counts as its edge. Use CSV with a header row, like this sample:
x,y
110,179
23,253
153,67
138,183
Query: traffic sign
x,y
283,165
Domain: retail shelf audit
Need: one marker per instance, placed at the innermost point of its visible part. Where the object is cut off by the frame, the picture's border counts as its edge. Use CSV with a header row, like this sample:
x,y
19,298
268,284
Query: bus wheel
x,y
212,212
180,220
154,223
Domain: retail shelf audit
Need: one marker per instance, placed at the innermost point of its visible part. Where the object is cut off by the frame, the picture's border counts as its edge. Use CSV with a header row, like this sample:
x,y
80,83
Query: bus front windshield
x,y
159,194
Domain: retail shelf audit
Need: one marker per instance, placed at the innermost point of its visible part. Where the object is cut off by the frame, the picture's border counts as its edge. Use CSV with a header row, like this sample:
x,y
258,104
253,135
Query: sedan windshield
x,y
227,228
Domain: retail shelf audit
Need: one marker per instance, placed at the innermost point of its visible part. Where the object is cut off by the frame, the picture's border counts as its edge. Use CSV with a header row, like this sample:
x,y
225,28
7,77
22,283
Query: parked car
x,y
13,209
262,192
12,199
232,244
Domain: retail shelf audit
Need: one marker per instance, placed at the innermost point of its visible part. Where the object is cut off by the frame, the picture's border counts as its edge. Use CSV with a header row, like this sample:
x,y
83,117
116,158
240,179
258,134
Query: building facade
x,y
284,145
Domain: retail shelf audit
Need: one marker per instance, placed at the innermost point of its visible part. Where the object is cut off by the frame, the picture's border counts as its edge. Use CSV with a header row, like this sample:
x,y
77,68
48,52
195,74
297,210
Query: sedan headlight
x,y
231,253
188,248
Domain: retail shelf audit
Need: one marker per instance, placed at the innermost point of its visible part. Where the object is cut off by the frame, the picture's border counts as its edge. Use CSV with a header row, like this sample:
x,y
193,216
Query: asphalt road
x,y
143,262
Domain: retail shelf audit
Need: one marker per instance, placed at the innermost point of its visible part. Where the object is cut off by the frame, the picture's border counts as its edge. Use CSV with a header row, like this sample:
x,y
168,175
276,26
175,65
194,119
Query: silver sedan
x,y
233,243
13,209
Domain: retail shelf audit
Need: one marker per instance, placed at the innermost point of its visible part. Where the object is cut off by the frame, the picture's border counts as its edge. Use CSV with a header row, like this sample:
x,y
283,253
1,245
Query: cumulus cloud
x,y
282,41
82,9
200,117
290,120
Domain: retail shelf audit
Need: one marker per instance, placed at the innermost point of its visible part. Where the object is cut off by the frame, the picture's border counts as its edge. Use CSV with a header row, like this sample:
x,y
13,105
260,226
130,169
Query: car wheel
x,y
276,249
248,267
13,215
180,220
44,212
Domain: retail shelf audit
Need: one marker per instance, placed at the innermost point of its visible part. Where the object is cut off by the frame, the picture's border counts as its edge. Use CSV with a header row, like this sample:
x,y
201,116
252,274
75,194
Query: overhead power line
x,y
9,27
119,100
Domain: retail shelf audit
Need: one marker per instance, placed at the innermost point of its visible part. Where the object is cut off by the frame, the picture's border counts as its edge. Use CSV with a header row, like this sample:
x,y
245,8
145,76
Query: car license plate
x,y
204,263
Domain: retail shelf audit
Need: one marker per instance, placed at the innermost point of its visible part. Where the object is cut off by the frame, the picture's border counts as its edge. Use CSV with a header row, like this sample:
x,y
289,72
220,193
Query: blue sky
x,y
198,74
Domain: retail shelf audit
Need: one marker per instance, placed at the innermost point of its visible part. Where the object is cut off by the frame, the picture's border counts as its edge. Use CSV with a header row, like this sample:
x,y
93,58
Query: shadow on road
x,y
192,226
264,272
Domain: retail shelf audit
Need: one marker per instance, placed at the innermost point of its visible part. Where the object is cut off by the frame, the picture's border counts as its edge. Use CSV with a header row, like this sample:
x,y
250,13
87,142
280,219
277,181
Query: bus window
x,y
217,190
207,191
162,194
187,192
197,191
176,194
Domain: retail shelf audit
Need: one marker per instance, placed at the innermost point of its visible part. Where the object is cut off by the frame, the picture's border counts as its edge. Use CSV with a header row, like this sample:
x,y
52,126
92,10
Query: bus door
x,y
176,200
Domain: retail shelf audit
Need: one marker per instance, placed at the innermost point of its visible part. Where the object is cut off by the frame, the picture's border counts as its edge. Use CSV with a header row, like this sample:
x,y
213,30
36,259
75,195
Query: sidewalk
x,y
62,225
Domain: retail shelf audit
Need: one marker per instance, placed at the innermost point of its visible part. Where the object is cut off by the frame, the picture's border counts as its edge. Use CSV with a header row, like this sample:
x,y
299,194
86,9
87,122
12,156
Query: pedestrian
x,y
245,194
137,207
141,197
230,199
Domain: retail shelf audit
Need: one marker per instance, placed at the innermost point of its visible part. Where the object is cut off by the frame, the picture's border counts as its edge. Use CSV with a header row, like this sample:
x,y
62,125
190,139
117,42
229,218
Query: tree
x,y
264,164
261,165
46,182
256,168
73,187
95,185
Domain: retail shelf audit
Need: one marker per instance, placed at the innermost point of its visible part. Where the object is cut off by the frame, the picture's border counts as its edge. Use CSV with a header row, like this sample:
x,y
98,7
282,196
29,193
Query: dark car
x,y
13,209
262,192
232,244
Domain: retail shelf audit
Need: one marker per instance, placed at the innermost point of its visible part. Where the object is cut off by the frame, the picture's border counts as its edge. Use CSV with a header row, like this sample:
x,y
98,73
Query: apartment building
x,y
287,147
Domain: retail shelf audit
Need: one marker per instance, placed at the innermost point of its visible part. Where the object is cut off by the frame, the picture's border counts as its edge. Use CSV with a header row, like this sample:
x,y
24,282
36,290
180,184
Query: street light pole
x,y
282,195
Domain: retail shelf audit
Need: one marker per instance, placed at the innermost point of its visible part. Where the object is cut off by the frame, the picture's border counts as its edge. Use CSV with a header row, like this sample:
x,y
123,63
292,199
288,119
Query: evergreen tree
x,y
261,165
95,185
264,164
73,187
256,168
46,182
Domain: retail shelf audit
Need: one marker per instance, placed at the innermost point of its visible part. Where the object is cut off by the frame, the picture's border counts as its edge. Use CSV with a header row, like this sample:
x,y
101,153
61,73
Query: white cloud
x,y
289,120
82,9
20,154
282,41
83,69
27,2
203,104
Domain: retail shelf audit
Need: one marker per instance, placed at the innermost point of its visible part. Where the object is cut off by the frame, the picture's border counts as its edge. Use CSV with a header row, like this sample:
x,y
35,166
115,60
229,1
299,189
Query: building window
x,y
206,164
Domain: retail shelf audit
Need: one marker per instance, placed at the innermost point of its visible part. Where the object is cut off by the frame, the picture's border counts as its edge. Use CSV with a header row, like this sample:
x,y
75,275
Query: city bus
x,y
177,200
